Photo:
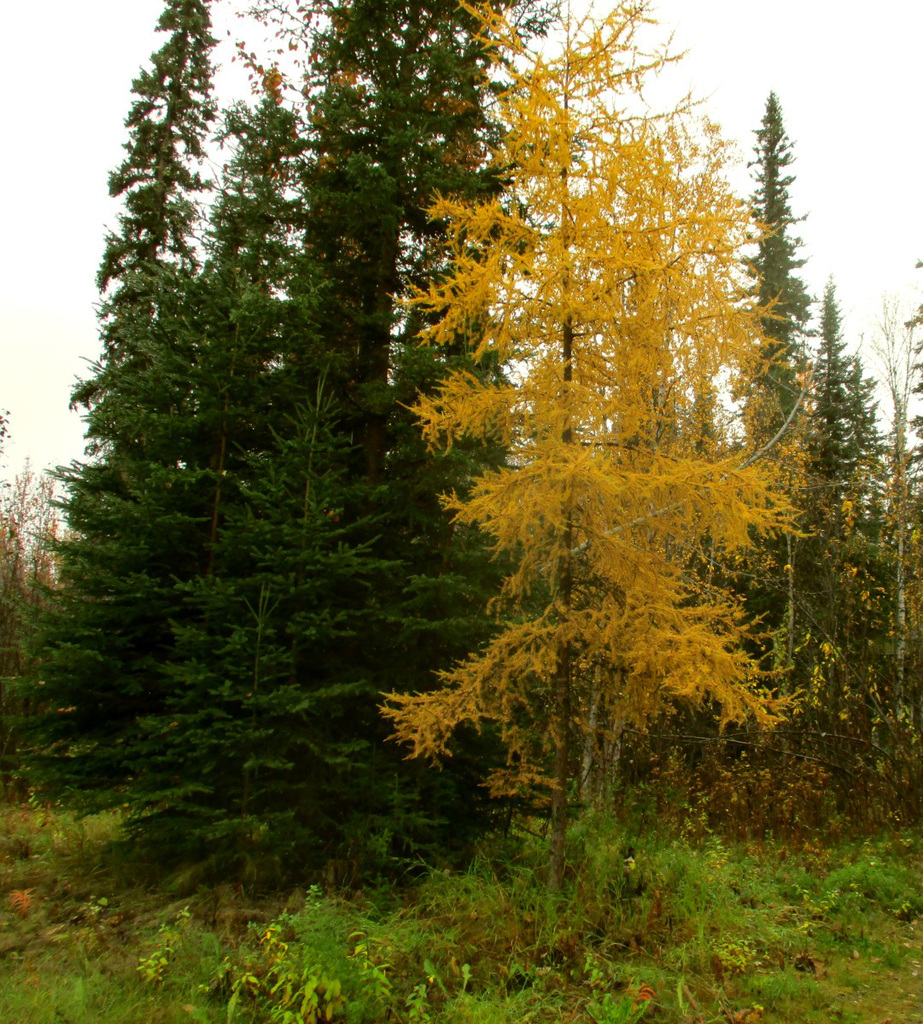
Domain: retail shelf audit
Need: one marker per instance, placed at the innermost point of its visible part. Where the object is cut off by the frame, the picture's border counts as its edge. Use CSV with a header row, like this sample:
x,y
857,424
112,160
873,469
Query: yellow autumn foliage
x,y
608,278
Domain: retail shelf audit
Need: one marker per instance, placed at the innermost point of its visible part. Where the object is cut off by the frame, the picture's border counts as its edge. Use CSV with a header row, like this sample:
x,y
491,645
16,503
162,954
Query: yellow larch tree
x,y
608,280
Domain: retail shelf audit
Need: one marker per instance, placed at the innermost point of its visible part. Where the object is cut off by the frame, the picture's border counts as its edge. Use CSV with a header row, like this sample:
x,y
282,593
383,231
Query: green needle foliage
x,y
159,181
839,565
134,519
258,547
779,289
845,443
778,387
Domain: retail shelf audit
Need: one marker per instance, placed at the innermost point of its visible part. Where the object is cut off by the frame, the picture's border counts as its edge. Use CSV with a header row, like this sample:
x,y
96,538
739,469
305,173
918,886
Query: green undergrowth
x,y
660,928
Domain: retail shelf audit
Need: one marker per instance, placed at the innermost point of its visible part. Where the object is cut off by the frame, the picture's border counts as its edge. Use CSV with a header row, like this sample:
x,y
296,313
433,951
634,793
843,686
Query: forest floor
x,y
690,929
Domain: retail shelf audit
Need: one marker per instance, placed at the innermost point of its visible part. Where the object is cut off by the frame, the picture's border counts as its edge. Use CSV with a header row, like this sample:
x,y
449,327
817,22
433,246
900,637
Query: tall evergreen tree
x,y
397,116
775,387
837,567
160,179
844,441
133,532
259,548
779,288
172,656
834,458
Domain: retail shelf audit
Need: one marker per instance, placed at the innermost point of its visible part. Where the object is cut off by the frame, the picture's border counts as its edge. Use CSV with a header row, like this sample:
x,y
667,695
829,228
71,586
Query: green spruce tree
x,y
398,115
135,518
833,456
837,568
772,404
259,550
779,288
160,179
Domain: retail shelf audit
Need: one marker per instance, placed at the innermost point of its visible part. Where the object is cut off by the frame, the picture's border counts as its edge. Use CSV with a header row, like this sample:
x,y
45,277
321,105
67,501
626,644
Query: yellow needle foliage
x,y
608,280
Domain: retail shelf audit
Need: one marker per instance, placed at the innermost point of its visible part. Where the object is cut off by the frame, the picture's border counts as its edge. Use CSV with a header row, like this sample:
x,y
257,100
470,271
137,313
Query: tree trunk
x,y
589,775
375,357
562,688
220,459
561,750
790,613
900,625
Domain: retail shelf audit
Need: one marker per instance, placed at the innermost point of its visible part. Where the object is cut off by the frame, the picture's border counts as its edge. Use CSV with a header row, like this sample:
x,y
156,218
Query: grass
x,y
687,930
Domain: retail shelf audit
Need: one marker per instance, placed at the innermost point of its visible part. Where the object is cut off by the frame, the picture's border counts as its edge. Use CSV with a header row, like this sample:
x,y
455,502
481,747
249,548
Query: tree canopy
x,y
608,276
466,405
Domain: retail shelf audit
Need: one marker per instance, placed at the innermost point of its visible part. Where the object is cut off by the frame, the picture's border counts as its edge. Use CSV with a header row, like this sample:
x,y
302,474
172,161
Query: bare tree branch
x,y
782,431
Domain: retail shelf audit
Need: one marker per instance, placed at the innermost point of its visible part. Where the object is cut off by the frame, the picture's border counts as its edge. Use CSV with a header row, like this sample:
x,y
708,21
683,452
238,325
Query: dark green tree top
x,y
158,183
776,262
831,388
159,179
863,415
397,115
844,439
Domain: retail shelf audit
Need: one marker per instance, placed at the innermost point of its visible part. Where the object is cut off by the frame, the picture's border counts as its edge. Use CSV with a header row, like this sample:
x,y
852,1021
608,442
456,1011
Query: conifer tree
x,y
133,533
779,289
837,568
210,568
174,688
396,115
160,180
610,274
843,439
834,458
777,387
243,582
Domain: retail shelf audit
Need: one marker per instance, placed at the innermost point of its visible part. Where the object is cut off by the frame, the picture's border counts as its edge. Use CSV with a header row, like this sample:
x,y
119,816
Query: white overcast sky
x,y
847,77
